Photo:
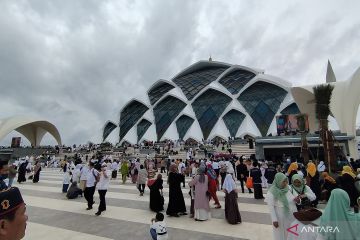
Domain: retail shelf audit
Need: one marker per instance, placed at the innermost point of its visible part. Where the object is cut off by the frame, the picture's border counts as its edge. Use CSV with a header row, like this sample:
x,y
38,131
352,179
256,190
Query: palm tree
x,y
323,95
301,122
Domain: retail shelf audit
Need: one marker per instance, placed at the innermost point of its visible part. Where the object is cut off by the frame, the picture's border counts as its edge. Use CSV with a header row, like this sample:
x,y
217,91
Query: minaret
x,y
330,75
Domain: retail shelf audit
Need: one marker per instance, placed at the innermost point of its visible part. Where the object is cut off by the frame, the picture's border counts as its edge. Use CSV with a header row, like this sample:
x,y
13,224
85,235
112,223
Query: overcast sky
x,y
76,63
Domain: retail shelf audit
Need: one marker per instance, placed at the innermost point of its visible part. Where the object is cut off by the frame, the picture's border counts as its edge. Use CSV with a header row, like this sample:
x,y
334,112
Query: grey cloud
x,y
77,63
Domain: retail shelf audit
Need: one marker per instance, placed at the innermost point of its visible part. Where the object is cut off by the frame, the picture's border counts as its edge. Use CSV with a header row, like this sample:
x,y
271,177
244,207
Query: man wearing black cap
x,y
12,215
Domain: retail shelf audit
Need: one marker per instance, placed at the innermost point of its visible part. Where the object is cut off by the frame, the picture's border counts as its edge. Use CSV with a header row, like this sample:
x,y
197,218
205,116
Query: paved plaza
x,y
53,217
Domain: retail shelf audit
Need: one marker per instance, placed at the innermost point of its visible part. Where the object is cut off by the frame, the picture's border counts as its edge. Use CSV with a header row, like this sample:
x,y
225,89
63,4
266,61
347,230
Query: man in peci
x,y
12,215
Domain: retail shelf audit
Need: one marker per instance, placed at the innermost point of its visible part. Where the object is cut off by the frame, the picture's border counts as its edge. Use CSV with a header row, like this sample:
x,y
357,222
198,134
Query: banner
x,y
289,124
15,142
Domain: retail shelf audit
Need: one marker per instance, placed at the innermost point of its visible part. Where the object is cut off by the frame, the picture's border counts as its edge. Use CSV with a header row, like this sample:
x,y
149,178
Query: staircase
x,y
238,150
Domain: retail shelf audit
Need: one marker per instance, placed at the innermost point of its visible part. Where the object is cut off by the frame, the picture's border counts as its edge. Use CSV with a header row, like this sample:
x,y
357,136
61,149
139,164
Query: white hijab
x,y
321,166
229,183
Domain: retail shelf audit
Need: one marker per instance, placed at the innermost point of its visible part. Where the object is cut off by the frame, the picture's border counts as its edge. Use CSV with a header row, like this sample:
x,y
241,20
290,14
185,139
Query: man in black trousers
x,y
242,174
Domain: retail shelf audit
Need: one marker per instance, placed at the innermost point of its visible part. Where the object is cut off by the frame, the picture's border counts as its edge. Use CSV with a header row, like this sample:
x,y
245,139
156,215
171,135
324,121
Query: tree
x,y
323,95
301,122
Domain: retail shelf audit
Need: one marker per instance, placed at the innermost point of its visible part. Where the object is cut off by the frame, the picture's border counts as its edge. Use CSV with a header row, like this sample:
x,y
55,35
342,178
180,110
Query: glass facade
x,y
208,107
262,101
158,91
233,120
142,127
108,128
291,109
130,115
192,83
183,124
236,80
165,112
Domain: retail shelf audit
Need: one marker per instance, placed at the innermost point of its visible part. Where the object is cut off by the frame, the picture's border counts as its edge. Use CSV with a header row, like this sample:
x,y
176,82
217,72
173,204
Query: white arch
x,y
32,128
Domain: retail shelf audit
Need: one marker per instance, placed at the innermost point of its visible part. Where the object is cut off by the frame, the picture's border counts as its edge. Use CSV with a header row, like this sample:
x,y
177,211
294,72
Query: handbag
x,y
305,202
150,182
249,182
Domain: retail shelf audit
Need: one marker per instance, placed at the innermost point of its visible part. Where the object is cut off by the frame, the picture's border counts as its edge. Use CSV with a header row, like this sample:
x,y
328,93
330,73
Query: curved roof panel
x,y
236,80
208,107
291,109
157,91
108,128
165,112
142,127
193,82
130,114
183,124
233,120
262,101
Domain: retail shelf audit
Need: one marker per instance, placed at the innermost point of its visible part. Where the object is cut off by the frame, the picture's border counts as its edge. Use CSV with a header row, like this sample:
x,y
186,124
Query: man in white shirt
x,y
102,187
115,169
84,171
91,181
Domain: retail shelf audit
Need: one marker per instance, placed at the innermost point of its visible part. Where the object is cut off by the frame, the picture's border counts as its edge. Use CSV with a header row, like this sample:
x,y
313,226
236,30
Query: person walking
x,y
84,171
255,173
156,195
176,199
37,170
212,185
242,174
270,174
66,177
91,181
201,199
232,213
281,206
102,186
124,171
141,179
114,168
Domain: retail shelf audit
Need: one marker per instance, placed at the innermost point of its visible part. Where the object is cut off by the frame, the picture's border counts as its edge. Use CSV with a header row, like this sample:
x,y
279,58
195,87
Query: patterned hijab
x,y
278,192
210,172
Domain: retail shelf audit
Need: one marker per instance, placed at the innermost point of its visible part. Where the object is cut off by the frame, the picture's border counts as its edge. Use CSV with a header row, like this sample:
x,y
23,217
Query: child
x,y
158,229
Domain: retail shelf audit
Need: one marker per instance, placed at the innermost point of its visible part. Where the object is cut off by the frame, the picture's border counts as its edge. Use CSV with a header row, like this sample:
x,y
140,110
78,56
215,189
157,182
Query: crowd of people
x,y
294,190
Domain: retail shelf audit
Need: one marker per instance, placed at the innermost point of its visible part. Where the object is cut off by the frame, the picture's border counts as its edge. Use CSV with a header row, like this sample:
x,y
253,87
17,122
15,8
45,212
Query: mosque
x,y
211,99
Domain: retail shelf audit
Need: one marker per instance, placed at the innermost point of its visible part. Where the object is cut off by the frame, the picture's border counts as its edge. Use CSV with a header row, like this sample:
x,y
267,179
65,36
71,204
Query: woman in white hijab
x,y
232,213
321,167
